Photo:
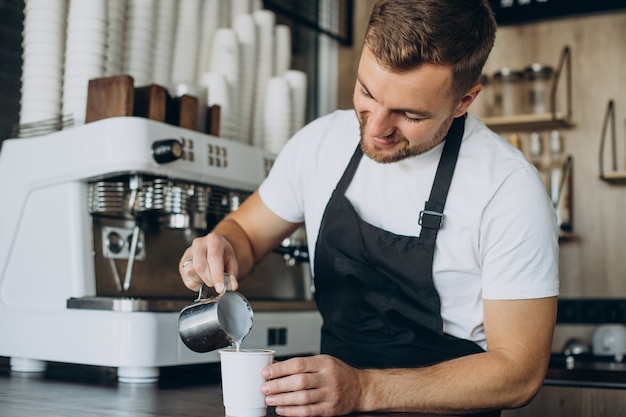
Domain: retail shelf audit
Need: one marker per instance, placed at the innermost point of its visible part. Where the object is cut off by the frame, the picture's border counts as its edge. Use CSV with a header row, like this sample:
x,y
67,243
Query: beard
x,y
403,148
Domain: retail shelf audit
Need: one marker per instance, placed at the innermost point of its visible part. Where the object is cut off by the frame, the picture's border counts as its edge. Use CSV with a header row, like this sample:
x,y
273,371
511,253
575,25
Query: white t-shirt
x,y
500,236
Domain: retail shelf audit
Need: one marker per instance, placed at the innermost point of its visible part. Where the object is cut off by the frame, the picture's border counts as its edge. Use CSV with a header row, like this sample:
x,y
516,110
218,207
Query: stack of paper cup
x,y
256,5
297,81
210,23
186,42
282,45
139,40
116,22
246,34
84,54
265,21
166,17
42,68
219,94
225,19
239,7
277,115
225,61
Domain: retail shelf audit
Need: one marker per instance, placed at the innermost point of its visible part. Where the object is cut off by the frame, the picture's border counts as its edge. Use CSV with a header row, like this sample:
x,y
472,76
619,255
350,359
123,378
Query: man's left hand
x,y
312,386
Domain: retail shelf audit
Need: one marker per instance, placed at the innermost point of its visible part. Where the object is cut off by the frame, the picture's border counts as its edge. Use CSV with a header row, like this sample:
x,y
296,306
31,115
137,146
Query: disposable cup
x,y
40,95
77,53
95,25
94,9
87,36
47,37
41,104
49,59
34,116
32,85
242,379
43,4
79,73
50,15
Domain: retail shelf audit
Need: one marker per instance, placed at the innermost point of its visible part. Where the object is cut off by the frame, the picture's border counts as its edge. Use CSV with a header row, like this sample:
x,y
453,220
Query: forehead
x,y
425,86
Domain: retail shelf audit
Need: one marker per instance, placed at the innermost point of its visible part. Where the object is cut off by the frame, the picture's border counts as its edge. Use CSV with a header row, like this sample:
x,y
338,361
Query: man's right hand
x,y
206,260
234,246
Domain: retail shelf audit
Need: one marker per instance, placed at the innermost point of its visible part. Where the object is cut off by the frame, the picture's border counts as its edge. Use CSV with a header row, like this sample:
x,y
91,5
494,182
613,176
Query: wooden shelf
x,y
529,122
614,177
567,236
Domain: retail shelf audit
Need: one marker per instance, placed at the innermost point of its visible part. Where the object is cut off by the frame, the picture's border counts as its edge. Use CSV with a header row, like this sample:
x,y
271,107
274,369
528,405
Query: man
x,y
434,256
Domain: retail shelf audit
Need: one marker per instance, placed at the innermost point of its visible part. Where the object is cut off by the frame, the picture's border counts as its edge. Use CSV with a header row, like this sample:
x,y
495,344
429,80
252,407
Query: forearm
x,y
474,383
253,231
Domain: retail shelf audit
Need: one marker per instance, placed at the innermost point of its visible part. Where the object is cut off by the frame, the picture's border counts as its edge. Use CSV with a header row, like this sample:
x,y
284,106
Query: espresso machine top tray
x,y
161,305
127,304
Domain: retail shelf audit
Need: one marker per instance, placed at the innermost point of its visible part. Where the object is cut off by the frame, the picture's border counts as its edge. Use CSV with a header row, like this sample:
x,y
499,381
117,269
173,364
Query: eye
x,y
411,118
364,92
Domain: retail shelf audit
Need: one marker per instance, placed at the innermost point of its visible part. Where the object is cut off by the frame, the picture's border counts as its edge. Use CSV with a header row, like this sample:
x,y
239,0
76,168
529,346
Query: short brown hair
x,y
403,34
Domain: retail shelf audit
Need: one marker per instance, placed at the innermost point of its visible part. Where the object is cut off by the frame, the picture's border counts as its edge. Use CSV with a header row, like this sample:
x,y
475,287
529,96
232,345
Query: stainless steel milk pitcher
x,y
216,322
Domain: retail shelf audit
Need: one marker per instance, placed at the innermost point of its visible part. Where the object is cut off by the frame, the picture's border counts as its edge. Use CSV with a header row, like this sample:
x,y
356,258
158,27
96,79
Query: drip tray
x,y
165,305
128,304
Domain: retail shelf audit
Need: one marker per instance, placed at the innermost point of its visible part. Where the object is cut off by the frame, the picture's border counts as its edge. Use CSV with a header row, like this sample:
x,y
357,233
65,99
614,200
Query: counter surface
x,y
586,371
66,390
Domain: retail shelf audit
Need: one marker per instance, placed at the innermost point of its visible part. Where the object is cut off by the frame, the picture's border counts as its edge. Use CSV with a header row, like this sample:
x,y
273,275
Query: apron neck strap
x,y
431,218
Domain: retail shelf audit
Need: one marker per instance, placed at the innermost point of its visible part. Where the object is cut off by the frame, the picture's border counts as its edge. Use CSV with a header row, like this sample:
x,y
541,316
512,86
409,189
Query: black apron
x,y
374,289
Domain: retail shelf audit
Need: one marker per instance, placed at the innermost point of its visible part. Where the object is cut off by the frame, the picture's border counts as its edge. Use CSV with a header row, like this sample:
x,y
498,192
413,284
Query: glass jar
x,y
507,84
537,82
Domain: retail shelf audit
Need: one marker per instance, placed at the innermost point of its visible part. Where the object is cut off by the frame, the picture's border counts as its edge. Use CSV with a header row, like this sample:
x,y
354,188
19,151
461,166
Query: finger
x,y
194,266
215,271
221,260
294,389
302,410
292,398
311,402
291,366
234,283
231,268
187,272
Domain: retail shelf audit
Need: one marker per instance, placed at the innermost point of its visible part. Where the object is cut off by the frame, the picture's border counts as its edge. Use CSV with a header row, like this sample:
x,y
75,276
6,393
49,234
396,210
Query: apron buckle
x,y
431,219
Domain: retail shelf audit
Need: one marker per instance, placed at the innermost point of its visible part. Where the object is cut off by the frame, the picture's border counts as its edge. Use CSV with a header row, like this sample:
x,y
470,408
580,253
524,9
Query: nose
x,y
378,122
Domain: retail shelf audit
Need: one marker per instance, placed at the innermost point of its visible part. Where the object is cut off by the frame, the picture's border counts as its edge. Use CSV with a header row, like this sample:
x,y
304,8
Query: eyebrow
x,y
420,113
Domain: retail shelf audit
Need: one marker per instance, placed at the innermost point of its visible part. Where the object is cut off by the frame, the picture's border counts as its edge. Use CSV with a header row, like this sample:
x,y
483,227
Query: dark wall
x,y
11,20
509,12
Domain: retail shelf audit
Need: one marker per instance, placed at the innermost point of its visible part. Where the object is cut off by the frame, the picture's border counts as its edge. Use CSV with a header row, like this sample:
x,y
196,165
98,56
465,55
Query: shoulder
x,y
479,137
331,138
340,124
488,160
310,164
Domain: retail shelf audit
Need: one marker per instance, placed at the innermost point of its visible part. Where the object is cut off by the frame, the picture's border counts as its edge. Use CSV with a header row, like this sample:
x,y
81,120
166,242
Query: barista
x,y
435,259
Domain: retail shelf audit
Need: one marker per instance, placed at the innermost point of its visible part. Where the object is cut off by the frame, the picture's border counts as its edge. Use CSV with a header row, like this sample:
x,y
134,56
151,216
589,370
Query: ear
x,y
467,99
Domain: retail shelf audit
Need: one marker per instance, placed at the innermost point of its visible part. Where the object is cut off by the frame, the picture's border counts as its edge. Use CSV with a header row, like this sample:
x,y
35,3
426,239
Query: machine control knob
x,y
115,242
167,150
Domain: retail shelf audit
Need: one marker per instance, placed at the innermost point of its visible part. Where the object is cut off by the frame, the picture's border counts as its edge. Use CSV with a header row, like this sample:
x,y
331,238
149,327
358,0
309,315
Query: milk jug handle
x,y
227,287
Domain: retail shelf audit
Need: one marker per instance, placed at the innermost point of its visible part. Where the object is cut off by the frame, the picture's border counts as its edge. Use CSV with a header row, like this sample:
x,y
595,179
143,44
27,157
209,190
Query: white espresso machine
x,y
93,222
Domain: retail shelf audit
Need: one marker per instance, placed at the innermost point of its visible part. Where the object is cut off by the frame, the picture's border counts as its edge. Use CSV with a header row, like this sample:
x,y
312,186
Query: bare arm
x,y
508,375
234,246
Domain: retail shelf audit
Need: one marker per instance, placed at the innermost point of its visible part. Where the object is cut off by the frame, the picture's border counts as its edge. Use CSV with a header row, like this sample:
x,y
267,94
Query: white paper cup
x,y
94,9
50,15
241,381
43,4
46,37
282,53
